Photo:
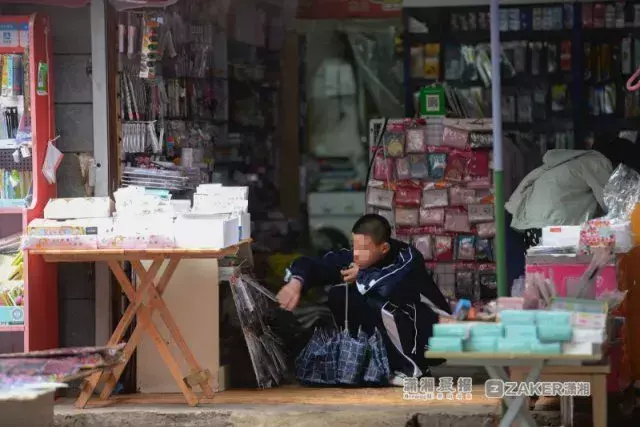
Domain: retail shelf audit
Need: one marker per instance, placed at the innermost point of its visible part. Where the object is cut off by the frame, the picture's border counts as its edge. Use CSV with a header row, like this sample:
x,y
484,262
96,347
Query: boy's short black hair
x,y
374,226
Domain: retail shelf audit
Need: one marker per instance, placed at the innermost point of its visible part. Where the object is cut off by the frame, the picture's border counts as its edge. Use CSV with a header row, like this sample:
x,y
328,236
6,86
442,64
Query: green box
x,y
432,101
11,315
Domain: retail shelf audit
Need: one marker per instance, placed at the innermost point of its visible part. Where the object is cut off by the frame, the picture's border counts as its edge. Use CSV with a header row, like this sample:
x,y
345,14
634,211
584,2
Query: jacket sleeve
x,y
387,280
596,176
323,271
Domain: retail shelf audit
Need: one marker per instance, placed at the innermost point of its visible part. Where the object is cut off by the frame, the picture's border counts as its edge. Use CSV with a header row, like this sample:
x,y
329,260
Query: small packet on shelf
x,y
480,213
433,216
416,137
435,198
466,248
437,165
408,217
403,168
456,168
478,164
418,166
486,230
383,169
459,196
487,282
394,138
455,138
483,183
484,250
456,221
424,245
443,248
466,287
408,196
380,198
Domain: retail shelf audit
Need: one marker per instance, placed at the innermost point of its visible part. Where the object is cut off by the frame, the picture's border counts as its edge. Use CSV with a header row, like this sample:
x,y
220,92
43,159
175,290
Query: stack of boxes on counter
x,y
436,189
144,219
572,327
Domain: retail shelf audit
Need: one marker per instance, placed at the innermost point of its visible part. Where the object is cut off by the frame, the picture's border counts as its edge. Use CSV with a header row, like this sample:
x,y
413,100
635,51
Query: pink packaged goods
x,y
403,168
466,247
435,198
486,230
460,196
70,242
408,217
408,196
596,233
433,216
480,213
416,137
383,168
443,248
456,221
380,198
394,138
456,168
455,138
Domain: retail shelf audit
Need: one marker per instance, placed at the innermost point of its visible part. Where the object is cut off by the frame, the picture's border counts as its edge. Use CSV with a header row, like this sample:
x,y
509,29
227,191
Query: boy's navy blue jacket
x,y
400,277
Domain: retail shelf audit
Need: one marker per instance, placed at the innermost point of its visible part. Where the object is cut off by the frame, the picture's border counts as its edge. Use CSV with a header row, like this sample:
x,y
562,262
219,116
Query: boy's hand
x,y
289,295
349,274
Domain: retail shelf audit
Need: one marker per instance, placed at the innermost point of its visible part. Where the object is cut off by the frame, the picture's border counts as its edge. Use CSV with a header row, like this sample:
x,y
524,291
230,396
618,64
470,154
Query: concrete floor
x,y
294,406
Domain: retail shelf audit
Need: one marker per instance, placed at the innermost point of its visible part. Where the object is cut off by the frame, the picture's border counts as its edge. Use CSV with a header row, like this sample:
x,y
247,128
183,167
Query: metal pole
x,y
500,242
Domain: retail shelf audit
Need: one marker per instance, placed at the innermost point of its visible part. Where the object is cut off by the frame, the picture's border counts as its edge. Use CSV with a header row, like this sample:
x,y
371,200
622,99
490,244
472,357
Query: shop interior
x,y
271,129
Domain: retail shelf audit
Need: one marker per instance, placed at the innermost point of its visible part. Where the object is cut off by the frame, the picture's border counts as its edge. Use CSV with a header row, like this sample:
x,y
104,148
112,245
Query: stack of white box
x,y
219,218
589,334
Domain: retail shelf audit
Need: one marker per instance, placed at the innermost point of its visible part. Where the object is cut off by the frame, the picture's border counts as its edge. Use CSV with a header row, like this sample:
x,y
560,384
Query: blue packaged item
x,y
546,348
520,331
555,317
511,345
445,344
518,317
454,330
552,332
479,330
482,344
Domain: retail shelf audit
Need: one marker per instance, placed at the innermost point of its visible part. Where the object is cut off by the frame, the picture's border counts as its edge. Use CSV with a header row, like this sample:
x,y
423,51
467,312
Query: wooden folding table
x,y
144,301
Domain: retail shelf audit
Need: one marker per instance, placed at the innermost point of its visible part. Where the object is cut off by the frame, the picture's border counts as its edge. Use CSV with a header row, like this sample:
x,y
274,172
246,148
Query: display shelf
x,y
31,36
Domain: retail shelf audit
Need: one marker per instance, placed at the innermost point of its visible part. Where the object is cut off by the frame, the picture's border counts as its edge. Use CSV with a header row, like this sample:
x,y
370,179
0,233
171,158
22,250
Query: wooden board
x,y
74,255
192,297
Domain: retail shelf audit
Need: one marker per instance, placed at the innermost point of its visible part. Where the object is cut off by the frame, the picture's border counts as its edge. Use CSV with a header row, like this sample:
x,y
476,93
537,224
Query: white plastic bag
x,y
52,160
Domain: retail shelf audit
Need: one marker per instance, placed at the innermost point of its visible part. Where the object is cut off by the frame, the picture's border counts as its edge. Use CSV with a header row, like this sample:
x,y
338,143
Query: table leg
x,y
157,303
90,384
599,400
146,324
517,406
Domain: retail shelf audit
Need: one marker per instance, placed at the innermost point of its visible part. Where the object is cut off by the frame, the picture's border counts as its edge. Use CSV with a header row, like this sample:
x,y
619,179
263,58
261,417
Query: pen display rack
x,y
26,105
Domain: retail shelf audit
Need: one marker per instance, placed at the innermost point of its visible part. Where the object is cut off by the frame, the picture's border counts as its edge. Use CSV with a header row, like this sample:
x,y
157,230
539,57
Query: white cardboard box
x,y
590,335
589,320
581,348
206,231
561,235
79,207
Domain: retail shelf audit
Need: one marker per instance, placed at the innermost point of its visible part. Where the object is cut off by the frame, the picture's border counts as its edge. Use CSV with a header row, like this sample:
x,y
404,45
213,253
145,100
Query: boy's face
x,y
366,252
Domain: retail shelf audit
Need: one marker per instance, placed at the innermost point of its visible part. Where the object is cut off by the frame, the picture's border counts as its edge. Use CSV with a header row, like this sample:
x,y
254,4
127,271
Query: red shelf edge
x,y
11,328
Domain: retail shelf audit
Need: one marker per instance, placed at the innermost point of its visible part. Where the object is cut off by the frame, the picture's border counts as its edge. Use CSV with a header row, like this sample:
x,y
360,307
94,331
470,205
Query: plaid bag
x,y
311,360
351,359
330,362
378,371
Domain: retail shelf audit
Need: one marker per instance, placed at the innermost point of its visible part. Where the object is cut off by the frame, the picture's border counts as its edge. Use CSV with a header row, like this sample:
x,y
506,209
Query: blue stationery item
x,y
511,345
445,344
482,344
451,330
520,331
555,317
518,317
487,330
546,348
552,332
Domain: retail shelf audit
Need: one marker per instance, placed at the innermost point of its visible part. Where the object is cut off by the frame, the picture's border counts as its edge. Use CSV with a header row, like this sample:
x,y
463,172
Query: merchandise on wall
x,y
563,66
436,190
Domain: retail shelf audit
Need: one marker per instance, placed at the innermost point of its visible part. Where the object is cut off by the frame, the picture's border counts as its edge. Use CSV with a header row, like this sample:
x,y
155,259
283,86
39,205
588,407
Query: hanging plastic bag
x,y
52,160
